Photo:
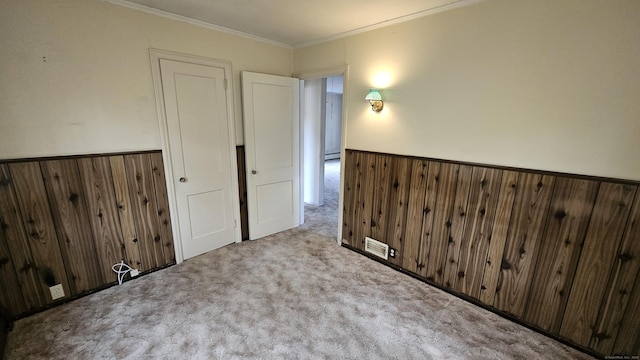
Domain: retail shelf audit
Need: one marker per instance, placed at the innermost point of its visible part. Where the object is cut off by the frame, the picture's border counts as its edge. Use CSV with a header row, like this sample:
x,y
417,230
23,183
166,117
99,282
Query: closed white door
x,y
197,120
272,144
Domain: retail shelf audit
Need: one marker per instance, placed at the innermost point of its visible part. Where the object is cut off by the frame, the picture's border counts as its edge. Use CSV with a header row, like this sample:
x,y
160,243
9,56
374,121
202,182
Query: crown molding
x,y
150,10
398,20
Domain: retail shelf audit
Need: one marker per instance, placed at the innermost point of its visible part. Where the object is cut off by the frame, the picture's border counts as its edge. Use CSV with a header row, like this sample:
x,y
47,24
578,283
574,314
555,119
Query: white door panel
x,y
196,109
272,121
272,145
275,201
207,203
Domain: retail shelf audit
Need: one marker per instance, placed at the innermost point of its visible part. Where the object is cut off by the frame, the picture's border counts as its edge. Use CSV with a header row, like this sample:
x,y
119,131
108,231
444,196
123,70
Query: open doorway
x,y
322,147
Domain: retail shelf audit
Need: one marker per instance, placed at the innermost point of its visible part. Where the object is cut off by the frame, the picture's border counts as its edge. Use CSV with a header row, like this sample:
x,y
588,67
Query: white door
x,y
197,120
270,107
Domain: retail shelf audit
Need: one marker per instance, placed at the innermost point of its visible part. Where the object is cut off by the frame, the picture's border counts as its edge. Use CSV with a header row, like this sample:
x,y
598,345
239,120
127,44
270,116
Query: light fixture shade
x,y
373,95
375,100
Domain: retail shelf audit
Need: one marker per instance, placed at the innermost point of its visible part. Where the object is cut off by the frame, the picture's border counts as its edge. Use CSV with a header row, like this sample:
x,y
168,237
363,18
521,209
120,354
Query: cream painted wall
x,y
542,84
75,76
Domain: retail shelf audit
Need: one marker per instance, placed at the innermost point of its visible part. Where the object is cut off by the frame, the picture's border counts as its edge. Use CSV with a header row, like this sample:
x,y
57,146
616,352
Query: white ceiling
x,y
294,23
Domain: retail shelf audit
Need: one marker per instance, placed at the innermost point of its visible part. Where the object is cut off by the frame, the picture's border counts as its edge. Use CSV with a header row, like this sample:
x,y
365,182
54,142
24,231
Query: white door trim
x,y
327,72
155,56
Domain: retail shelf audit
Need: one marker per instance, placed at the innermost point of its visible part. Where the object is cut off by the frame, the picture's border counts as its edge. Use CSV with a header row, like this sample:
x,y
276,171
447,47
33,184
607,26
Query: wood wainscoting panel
x,y
567,221
457,225
600,246
21,282
67,220
366,195
364,180
398,201
11,295
102,207
380,207
69,210
508,190
125,212
559,252
143,200
412,253
5,325
162,207
620,285
349,197
242,186
436,258
627,340
481,210
428,215
37,218
523,240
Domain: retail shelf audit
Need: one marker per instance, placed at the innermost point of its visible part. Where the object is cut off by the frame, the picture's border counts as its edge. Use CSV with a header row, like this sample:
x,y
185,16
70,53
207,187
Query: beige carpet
x,y
292,295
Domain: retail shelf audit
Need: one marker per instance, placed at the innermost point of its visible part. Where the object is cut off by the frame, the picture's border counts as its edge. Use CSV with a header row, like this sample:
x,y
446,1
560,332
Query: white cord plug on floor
x,y
121,273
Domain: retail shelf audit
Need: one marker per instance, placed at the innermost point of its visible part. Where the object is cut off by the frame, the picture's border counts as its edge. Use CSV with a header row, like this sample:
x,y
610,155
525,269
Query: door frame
x,y
323,73
155,56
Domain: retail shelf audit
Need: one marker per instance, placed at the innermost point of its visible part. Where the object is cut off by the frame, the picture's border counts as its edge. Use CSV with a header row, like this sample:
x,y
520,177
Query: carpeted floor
x,y
292,295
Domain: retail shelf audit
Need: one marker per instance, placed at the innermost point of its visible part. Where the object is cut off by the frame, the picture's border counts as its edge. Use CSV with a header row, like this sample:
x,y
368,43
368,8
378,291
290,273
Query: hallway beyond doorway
x,y
323,219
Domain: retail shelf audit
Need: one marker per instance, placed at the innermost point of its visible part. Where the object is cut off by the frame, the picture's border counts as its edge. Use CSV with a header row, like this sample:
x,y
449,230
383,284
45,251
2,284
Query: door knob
x,y
254,172
183,179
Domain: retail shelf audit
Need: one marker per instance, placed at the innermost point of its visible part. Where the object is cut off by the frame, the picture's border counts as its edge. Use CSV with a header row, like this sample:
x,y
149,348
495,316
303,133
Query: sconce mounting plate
x,y
376,105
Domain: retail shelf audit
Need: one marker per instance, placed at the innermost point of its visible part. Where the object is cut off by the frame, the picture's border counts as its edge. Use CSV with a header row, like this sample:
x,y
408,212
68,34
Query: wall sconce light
x,y
375,99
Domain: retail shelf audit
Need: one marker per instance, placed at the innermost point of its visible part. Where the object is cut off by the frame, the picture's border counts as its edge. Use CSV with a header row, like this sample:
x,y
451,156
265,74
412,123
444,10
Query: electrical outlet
x,y
134,272
57,291
392,252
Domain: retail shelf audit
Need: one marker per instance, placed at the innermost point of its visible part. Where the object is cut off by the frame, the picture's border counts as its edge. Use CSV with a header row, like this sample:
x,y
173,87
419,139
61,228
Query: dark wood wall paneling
x,y
68,220
242,186
5,325
558,252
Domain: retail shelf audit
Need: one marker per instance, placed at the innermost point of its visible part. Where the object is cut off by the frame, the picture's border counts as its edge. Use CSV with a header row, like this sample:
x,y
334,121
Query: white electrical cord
x,y
121,273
